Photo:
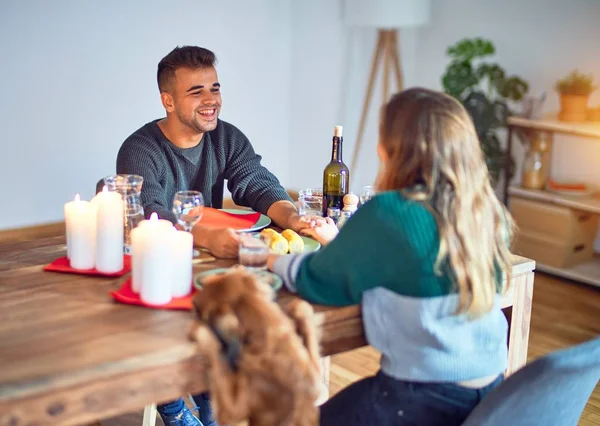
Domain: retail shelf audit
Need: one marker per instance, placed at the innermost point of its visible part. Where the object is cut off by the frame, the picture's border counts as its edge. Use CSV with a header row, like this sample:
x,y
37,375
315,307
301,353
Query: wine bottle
x,y
336,176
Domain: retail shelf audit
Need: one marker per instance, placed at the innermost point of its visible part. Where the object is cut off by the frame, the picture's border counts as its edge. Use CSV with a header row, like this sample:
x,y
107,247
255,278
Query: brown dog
x,y
263,365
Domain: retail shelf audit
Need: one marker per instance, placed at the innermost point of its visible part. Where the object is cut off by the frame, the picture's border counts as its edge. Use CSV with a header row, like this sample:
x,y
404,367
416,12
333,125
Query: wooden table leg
x,y
507,164
520,320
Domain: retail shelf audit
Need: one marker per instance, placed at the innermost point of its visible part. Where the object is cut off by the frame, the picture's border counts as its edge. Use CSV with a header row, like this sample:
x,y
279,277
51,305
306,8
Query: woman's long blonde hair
x,y
434,156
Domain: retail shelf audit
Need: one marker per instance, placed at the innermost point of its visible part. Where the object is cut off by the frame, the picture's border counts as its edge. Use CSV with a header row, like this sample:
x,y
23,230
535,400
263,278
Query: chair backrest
x,y
550,391
99,185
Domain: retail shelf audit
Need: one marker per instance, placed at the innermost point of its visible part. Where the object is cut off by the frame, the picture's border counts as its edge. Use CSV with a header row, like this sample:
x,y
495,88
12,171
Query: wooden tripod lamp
x,y
386,16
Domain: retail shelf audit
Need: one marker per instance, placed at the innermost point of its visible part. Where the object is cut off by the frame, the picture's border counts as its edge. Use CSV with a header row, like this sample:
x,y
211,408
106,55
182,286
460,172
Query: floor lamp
x,y
387,16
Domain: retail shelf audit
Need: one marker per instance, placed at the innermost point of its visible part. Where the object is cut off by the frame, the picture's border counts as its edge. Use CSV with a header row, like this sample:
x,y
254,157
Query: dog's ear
x,y
211,280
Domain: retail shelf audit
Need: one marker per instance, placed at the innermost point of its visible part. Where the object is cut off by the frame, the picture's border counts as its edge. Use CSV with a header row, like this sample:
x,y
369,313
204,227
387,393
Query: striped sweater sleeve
x,y
250,183
142,157
372,250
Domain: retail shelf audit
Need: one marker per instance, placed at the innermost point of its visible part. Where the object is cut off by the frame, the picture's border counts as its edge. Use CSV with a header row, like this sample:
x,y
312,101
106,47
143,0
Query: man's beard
x,y
195,123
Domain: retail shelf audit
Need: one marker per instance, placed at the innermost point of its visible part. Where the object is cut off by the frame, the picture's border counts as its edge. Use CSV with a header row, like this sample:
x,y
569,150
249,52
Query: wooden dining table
x,y
70,354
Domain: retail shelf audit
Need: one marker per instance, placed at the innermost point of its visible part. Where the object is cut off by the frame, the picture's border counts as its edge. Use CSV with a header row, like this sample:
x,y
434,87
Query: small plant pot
x,y
573,108
594,114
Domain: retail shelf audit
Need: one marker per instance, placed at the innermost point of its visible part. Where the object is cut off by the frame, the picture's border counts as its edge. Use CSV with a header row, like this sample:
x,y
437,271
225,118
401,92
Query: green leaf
x,y
493,72
458,78
513,88
467,49
481,111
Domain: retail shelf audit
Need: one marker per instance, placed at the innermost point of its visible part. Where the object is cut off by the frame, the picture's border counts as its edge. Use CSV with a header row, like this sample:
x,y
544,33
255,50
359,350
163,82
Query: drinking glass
x,y
130,187
310,202
367,193
253,252
188,207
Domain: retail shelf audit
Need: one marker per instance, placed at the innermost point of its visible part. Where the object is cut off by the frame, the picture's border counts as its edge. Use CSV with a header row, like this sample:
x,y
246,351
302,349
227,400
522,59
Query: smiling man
x,y
192,149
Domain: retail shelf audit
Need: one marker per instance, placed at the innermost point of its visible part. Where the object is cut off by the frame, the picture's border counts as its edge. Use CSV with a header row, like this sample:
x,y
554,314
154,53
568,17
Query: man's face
x,y
196,97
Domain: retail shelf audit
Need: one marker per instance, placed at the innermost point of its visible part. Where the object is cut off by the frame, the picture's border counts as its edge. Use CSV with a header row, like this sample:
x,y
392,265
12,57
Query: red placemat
x,y
62,265
214,218
126,295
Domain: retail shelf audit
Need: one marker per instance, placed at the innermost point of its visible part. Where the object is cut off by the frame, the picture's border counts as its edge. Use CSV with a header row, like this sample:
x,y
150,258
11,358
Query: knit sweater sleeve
x,y
372,250
141,157
250,183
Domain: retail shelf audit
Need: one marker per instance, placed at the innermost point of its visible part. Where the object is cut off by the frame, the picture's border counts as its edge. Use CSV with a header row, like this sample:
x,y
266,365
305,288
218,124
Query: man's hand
x,y
285,215
324,231
299,223
222,242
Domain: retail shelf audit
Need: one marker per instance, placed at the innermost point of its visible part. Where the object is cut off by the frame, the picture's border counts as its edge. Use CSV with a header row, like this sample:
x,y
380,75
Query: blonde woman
x,y
424,258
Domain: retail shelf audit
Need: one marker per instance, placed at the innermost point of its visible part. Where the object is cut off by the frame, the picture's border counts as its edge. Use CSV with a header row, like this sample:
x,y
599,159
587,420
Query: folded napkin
x,y
126,295
214,218
62,265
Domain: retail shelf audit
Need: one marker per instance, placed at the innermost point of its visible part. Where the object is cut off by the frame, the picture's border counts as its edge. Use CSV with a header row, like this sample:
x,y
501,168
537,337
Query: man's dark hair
x,y
182,57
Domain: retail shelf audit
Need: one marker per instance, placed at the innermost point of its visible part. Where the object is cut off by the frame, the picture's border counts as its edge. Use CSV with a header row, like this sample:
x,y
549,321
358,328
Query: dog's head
x,y
226,297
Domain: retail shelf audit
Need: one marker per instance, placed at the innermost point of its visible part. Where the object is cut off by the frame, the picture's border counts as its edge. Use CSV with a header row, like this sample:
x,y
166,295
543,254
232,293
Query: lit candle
x,y
153,272
138,243
80,220
182,253
109,231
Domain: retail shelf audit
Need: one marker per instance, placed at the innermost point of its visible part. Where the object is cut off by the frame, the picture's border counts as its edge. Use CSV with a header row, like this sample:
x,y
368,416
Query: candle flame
x,y
77,198
153,216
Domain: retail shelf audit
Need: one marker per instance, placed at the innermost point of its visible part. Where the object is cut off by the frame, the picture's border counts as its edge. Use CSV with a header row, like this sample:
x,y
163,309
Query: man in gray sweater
x,y
193,149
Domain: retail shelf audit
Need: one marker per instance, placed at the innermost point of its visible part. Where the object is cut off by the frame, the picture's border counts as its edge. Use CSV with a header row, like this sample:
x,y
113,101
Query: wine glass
x,y
188,207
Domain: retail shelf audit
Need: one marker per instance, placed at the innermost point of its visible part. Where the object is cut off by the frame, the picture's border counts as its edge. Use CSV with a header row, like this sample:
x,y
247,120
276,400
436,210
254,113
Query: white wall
x,y
79,76
539,40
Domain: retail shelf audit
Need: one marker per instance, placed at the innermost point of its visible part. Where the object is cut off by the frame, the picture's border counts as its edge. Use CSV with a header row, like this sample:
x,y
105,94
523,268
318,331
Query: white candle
x,y
152,262
182,253
137,244
80,220
109,231
137,253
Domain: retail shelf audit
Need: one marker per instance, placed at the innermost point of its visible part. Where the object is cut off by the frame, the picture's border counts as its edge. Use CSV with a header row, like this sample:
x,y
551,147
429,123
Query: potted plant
x,y
574,90
485,90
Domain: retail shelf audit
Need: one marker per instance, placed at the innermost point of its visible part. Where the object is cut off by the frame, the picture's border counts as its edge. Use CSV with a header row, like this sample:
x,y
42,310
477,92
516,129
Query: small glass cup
x,y
310,202
253,252
367,193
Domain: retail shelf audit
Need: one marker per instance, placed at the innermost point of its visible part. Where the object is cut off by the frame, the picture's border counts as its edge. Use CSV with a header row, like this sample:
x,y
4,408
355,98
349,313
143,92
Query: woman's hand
x,y
271,261
324,231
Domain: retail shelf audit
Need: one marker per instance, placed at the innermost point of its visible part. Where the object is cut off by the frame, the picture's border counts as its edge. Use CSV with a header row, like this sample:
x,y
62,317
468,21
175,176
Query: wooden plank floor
x,y
564,314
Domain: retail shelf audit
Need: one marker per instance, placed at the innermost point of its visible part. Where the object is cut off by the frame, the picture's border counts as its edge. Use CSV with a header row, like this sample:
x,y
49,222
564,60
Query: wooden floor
x,y
564,314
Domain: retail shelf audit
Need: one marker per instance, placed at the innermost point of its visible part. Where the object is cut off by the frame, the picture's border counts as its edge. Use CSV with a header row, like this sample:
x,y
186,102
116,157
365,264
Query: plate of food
x,y
270,278
241,220
288,242
262,222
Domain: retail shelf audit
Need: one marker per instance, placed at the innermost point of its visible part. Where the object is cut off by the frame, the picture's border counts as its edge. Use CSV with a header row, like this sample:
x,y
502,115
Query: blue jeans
x,y
202,401
383,400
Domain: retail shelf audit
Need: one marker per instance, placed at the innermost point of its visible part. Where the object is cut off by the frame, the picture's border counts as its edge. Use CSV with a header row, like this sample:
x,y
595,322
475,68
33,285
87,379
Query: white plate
x,y
263,221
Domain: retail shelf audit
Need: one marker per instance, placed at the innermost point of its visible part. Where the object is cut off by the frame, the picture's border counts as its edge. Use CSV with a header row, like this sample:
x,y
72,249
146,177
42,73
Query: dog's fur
x,y
277,380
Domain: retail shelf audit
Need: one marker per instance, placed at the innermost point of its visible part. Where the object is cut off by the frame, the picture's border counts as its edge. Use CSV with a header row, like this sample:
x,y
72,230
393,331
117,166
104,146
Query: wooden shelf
x,y
589,203
587,272
550,123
